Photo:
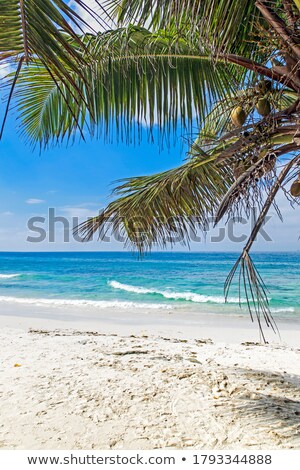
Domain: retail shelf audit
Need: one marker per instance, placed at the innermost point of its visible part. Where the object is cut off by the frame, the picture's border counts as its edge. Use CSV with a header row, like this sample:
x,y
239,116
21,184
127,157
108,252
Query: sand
x,y
120,387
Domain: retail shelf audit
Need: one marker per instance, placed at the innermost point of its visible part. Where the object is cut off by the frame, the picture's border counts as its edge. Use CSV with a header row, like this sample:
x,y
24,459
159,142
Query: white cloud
x,y
97,19
34,201
5,69
52,191
6,213
78,212
89,204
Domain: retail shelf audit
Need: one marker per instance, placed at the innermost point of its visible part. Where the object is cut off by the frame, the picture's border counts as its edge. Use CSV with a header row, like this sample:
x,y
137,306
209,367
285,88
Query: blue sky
x,y
76,182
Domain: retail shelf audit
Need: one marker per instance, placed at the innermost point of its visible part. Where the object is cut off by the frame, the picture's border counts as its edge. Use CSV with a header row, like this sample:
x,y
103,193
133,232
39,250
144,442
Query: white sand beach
x,y
126,384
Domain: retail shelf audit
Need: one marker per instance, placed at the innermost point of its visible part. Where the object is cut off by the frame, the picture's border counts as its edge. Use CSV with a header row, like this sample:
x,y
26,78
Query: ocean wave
x,y
283,310
188,296
8,276
84,303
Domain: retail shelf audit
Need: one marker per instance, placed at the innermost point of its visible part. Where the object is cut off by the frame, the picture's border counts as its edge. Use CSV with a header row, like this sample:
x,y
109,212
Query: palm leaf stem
x,y
278,25
289,13
24,30
240,61
260,69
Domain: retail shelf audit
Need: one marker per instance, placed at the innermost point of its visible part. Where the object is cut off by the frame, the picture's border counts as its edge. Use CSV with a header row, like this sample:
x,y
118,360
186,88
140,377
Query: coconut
x,y
263,107
295,188
238,116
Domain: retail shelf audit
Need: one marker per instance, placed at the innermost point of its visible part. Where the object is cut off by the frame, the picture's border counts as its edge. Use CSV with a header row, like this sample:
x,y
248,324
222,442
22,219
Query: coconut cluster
x,y
262,104
264,162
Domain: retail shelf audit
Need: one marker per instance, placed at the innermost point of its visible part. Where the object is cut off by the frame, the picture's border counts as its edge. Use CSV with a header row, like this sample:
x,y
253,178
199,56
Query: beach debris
x,y
17,365
238,116
125,353
69,333
194,360
84,341
185,375
220,389
204,341
252,343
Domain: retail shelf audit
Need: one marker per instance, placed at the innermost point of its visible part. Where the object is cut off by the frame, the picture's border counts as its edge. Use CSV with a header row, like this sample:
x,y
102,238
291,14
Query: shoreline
x,y
180,323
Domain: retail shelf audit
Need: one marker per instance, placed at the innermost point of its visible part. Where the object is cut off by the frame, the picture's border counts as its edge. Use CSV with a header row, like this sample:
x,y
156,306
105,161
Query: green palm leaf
x,y
136,78
40,28
220,24
43,30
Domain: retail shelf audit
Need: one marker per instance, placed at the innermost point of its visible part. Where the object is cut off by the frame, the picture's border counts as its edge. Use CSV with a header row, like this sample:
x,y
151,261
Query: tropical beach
x,y
149,226
143,369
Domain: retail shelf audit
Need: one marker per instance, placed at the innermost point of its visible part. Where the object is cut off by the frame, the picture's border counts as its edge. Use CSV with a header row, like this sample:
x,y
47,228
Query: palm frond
x,y
44,30
47,108
164,208
220,24
254,175
136,79
251,283
249,188
249,278
40,28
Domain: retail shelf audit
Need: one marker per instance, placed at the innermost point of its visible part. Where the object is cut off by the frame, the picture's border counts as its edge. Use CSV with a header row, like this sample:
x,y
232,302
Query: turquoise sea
x,y
158,281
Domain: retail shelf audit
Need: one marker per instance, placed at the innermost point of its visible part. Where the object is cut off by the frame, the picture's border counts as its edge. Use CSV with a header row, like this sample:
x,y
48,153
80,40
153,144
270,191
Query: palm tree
x,y
231,68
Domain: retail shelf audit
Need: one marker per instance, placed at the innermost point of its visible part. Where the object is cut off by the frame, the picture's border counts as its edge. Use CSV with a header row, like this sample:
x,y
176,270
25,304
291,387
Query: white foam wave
x,y
189,296
283,310
8,276
84,303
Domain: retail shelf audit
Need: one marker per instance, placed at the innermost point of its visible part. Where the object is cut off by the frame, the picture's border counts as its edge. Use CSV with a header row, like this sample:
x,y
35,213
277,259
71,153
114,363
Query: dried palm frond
x,y
255,291
249,188
249,278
